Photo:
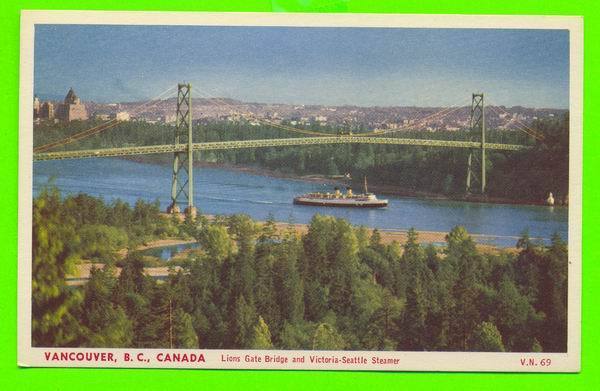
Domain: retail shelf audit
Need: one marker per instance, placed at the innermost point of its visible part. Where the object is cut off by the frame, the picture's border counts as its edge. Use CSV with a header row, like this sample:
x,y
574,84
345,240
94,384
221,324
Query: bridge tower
x,y
182,188
477,125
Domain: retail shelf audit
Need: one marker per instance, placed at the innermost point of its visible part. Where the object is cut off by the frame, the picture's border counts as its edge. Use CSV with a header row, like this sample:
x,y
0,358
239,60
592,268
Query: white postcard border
x,y
408,361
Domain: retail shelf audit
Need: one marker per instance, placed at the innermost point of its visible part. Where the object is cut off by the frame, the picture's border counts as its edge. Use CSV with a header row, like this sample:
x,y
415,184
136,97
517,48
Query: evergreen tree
x,y
486,338
375,241
54,256
179,290
107,323
261,338
553,298
242,324
134,292
211,327
516,319
287,281
326,337
362,237
344,267
269,230
315,268
184,335
243,277
432,258
383,330
528,268
119,214
267,251
296,336
265,290
414,326
463,257
84,209
316,245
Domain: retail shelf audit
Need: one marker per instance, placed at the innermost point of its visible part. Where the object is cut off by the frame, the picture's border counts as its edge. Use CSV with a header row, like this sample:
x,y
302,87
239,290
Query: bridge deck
x,y
223,145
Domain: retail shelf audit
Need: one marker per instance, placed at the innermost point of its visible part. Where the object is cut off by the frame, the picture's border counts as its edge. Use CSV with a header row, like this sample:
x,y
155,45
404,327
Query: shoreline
x,y
156,243
387,236
391,190
400,236
82,273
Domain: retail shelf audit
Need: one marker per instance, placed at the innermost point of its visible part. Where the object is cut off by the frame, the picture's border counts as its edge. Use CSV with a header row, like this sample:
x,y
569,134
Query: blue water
x,y
219,191
167,252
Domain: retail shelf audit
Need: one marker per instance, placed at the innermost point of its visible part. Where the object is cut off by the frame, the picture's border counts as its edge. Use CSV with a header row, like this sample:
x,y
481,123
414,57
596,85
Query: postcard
x,y
300,191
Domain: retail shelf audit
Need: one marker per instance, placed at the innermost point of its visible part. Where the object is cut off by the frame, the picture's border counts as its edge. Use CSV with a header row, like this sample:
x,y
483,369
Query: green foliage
x,y
296,336
553,302
54,250
530,175
184,335
327,338
487,338
134,292
515,316
417,297
466,289
242,321
104,228
536,347
215,240
287,281
362,237
107,323
262,336
99,242
541,274
252,286
383,325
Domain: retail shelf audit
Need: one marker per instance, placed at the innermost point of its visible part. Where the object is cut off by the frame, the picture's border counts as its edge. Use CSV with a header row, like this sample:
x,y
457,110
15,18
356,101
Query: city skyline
x,y
321,66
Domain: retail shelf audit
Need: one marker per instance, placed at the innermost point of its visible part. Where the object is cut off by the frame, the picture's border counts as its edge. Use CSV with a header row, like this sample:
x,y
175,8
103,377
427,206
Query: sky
x,y
328,66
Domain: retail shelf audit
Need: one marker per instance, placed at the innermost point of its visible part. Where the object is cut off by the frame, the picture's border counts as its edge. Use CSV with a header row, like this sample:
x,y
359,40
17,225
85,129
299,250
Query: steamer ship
x,y
349,199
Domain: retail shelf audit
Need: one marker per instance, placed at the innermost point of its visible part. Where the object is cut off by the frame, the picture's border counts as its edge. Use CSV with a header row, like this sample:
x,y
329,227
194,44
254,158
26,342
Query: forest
x,y
524,176
254,286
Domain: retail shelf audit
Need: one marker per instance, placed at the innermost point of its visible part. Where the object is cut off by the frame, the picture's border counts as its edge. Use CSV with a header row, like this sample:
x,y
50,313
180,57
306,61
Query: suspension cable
x,y
309,132
264,121
98,128
524,128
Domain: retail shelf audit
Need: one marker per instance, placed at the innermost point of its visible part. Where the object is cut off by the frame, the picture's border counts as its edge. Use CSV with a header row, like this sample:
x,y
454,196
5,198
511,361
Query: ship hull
x,y
341,203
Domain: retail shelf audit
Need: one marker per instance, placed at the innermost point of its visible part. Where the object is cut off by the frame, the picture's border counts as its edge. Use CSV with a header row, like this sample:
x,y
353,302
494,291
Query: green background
x,y
66,379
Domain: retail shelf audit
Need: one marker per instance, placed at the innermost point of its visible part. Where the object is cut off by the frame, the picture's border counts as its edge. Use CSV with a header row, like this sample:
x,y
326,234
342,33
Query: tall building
x,y
46,110
42,110
72,108
36,106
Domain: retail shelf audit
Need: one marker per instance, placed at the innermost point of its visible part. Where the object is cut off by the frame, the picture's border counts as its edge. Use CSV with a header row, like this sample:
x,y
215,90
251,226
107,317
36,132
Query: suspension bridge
x,y
183,148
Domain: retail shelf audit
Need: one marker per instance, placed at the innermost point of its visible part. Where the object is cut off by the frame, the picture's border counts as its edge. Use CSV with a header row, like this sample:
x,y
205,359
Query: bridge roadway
x,y
223,145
